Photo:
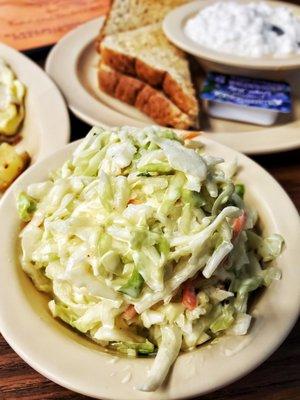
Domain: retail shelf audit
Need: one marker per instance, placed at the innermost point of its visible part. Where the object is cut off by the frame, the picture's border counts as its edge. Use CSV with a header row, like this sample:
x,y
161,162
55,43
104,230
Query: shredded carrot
x,y
239,224
134,201
189,298
191,135
129,313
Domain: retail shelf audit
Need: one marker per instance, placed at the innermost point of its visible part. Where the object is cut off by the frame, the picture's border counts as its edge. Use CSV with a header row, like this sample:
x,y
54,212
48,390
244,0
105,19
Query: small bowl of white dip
x,y
243,35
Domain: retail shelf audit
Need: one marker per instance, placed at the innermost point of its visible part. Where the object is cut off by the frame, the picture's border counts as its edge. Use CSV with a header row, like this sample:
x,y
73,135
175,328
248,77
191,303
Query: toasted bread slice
x,y
147,54
125,15
144,97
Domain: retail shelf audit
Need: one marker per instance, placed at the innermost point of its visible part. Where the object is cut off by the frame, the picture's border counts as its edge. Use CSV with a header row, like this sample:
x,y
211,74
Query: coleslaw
x,y
144,243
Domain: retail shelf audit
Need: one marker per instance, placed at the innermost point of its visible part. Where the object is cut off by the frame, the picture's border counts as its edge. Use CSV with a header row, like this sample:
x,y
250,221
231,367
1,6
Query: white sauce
x,y
12,93
249,30
5,85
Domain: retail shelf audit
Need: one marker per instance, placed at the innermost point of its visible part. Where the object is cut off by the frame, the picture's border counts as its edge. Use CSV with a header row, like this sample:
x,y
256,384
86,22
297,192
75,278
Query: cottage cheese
x,y
249,30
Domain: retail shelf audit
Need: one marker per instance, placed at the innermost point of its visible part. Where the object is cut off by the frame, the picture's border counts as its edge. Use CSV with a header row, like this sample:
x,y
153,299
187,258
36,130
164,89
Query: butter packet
x,y
245,99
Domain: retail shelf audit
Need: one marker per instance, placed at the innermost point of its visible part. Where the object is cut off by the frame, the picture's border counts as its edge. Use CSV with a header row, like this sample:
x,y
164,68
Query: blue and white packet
x,y
246,99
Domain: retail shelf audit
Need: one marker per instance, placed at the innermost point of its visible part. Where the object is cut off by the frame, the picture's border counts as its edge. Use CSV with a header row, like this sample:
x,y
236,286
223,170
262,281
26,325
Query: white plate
x,y
74,53
72,64
46,126
72,361
174,29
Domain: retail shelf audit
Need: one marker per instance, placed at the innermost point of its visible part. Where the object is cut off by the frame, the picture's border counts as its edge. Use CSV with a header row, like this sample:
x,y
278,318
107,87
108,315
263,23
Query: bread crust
x,y
108,80
157,106
118,61
101,34
144,97
185,102
154,77
128,89
146,73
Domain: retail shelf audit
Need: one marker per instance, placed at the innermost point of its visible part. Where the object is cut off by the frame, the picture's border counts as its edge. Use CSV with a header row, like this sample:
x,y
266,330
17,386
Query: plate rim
x,y
62,129
14,340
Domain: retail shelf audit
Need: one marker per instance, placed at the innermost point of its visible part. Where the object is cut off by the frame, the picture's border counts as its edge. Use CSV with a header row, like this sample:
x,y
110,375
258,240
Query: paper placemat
x,y
29,24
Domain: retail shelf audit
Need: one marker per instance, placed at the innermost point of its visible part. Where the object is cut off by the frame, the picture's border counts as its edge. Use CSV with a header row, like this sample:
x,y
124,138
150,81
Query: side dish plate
x,y
72,361
174,29
46,126
72,64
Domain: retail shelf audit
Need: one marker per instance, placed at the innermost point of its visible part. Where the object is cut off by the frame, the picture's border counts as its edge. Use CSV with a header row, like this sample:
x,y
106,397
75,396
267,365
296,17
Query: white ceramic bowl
x,y
72,361
175,21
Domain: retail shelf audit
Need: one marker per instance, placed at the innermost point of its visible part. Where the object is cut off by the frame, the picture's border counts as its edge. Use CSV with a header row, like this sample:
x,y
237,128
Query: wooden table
x,y
276,379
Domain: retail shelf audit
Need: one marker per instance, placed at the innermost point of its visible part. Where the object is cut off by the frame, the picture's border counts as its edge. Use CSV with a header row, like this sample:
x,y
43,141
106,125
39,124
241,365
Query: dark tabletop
x,y
276,379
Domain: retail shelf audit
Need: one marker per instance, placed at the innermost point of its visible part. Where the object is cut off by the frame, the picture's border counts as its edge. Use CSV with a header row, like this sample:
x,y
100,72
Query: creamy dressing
x,y
5,85
12,93
249,30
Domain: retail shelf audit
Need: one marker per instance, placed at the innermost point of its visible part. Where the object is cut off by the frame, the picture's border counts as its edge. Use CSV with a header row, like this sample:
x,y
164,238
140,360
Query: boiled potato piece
x,y
10,119
12,165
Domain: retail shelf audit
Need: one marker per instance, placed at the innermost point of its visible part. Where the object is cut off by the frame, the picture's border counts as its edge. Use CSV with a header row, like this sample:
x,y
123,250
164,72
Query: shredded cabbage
x,y
145,245
26,206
